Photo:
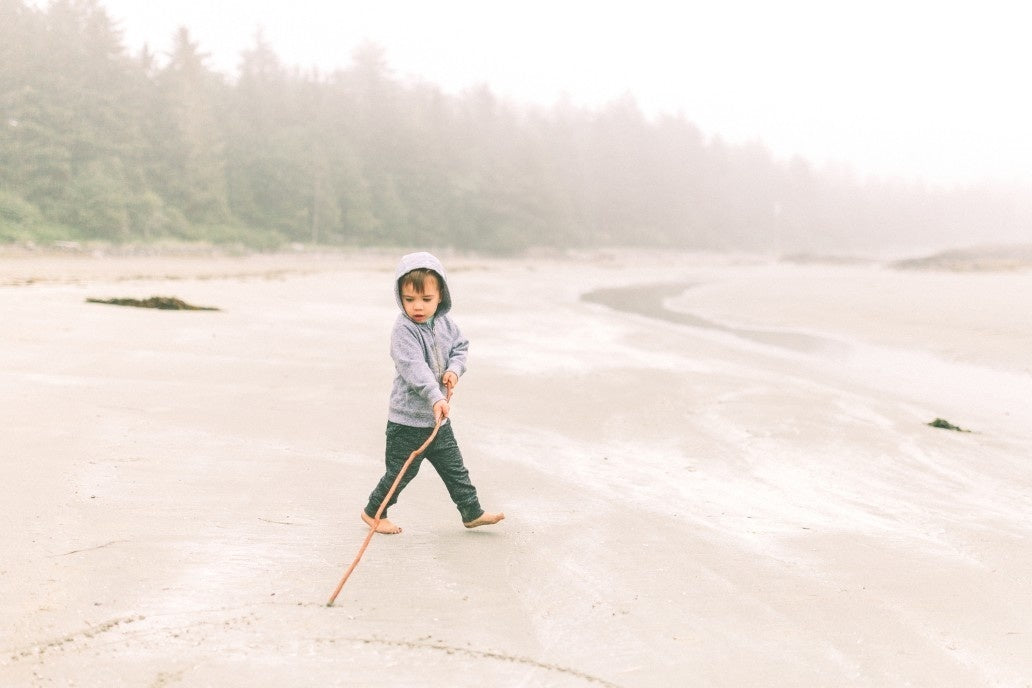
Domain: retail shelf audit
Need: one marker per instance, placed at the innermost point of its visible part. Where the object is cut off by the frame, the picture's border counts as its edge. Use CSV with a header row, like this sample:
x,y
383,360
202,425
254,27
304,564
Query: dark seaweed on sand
x,y
165,303
946,425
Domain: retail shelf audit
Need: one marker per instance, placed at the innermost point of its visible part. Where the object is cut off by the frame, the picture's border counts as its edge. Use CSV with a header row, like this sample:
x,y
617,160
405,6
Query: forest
x,y
100,145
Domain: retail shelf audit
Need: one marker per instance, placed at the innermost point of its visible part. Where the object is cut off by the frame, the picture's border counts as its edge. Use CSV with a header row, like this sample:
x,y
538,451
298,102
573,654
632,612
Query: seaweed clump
x,y
946,425
165,303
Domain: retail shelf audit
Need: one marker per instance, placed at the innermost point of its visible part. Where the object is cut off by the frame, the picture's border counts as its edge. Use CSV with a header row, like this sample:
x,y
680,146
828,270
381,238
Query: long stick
x,y
383,505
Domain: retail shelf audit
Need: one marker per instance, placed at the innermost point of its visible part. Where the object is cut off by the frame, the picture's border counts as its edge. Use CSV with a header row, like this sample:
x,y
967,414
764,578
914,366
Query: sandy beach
x,y
716,471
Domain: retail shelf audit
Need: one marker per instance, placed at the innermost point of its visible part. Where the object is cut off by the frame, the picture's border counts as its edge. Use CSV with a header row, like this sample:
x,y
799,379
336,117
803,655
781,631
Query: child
x,y
429,355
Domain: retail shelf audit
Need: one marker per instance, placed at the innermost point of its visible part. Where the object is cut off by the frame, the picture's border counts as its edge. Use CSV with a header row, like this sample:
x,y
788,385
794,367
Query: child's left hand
x,y
450,379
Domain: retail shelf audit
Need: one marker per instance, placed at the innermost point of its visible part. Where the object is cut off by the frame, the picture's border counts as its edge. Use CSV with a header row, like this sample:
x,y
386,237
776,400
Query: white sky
x,y
907,89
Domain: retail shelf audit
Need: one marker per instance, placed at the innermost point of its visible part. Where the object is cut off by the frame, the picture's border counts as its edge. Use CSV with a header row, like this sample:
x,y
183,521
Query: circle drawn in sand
x,y
486,654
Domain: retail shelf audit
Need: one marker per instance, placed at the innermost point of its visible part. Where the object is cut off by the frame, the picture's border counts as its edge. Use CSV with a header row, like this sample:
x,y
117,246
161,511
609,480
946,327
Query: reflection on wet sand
x,y
650,300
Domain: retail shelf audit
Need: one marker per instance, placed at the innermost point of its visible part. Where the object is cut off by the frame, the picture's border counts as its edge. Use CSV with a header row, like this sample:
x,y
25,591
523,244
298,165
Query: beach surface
x,y
716,471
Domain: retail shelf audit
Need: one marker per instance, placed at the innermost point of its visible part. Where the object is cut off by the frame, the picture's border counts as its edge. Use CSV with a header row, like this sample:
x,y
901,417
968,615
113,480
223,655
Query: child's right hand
x,y
441,410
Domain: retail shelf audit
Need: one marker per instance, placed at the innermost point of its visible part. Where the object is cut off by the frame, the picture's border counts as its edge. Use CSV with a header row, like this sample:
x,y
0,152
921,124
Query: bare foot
x,y
385,526
485,519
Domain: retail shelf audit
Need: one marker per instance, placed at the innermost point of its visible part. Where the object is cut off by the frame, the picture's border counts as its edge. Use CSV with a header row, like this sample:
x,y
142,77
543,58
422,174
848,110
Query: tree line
x,y
99,144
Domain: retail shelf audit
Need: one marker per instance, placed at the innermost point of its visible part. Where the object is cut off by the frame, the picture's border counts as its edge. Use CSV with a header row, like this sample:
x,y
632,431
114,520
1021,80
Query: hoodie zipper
x,y
435,351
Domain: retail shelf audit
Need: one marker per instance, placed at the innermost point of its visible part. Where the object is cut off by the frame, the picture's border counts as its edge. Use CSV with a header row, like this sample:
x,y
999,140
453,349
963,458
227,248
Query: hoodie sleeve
x,y
457,355
410,362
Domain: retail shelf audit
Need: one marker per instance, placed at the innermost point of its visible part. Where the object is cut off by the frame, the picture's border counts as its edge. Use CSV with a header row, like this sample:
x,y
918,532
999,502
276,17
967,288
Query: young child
x,y
429,355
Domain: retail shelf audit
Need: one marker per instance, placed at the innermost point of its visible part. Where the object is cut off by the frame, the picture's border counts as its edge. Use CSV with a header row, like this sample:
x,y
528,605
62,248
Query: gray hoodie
x,y
423,352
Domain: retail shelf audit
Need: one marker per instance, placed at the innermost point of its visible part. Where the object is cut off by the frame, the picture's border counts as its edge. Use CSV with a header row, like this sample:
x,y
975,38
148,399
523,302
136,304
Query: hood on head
x,y
422,259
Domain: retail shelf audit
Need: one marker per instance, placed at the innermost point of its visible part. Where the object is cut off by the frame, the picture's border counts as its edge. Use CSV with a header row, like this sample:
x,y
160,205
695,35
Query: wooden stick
x,y
379,512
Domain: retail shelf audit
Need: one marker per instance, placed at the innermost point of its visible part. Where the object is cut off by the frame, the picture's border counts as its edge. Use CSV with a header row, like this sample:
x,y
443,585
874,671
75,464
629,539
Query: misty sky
x,y
898,89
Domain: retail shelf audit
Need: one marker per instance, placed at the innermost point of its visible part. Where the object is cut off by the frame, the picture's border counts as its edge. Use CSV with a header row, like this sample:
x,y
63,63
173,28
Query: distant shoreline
x,y
997,258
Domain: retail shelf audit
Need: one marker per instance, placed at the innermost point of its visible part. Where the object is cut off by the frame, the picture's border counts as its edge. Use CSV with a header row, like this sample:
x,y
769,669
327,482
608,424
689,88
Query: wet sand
x,y
650,300
686,504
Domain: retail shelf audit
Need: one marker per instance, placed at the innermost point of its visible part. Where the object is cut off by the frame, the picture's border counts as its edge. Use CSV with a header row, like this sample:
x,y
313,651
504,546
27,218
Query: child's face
x,y
421,307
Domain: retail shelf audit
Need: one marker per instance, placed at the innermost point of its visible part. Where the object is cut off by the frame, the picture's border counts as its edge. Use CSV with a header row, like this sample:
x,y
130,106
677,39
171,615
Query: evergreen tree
x,y
190,173
86,125
21,31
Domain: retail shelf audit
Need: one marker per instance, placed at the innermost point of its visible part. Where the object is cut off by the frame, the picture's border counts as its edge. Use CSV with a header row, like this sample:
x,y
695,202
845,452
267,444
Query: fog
x,y
913,90
743,127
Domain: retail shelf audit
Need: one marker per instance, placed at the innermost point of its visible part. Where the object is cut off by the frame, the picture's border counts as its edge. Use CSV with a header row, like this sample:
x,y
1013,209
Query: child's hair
x,y
417,278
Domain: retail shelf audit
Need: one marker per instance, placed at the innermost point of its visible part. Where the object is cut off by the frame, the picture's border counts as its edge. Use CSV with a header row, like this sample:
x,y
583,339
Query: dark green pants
x,y
443,454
